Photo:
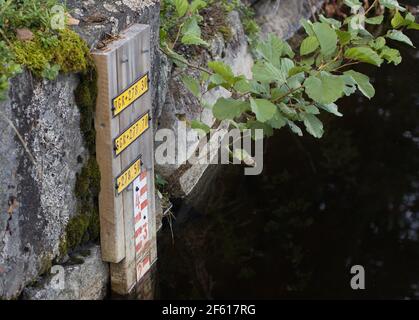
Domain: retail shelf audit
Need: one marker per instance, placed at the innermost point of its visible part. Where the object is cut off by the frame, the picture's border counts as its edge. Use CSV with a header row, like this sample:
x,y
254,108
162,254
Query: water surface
x,y
320,207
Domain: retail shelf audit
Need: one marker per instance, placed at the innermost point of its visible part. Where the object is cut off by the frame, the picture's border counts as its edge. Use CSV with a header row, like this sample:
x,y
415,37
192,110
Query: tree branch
x,y
187,63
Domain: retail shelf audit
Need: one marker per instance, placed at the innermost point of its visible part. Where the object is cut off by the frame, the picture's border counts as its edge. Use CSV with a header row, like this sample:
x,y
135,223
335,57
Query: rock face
x,y
38,178
282,17
87,281
39,174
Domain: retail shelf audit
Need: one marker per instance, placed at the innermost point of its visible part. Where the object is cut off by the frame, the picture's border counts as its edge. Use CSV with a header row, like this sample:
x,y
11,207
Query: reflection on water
x,y
320,207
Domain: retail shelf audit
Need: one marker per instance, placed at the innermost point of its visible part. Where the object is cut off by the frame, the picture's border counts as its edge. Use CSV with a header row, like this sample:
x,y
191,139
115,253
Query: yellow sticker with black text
x,y
130,95
131,134
128,176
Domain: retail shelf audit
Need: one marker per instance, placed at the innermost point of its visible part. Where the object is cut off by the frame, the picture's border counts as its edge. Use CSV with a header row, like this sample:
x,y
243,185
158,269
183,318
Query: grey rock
x,y
45,115
87,281
40,191
282,17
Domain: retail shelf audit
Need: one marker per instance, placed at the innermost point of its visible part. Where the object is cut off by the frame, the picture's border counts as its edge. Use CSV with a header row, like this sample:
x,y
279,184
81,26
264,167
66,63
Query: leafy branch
x,y
287,87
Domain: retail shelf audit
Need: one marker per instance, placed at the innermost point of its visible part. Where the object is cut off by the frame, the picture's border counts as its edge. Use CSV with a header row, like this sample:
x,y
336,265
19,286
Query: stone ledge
x,y
87,281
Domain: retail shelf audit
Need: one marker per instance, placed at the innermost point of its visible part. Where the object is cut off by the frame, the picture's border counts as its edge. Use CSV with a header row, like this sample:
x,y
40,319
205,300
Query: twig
x,y
22,141
177,36
288,93
313,16
346,65
187,63
5,37
370,7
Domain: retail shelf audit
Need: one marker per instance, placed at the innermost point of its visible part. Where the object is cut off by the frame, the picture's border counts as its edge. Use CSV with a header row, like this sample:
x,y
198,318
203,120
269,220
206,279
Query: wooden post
x,y
124,147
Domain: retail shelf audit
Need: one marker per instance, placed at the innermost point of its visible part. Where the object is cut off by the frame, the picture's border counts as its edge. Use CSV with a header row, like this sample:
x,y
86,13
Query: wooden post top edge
x,y
123,38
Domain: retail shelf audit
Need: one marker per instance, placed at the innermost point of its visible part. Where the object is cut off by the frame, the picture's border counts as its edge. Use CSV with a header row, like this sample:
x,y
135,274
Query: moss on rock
x,y
84,226
66,50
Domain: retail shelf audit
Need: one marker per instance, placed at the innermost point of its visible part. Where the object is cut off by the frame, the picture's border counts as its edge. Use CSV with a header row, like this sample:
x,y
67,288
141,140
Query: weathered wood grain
x,y
124,61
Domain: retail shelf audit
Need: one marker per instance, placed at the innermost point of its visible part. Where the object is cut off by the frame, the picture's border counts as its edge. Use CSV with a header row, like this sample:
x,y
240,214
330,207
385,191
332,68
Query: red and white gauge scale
x,y
142,225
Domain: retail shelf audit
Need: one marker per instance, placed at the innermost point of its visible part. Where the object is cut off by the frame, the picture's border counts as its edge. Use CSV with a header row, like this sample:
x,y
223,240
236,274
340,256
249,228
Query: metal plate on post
x,y
130,95
136,129
128,176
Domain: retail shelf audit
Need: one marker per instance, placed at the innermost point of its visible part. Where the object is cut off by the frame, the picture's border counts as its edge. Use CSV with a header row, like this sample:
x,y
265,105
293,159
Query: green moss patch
x,y
65,52
84,226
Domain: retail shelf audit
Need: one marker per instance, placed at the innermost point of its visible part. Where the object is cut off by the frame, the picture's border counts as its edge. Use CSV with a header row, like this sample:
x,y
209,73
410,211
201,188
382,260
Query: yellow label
x,y
130,95
128,176
131,134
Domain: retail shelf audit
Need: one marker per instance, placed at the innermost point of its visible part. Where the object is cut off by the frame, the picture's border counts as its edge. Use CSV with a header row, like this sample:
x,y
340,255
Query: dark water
x,y
320,207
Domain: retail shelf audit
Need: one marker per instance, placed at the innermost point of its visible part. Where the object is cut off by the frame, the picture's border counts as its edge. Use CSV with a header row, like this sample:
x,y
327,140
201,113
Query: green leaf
x,y
378,43
309,45
363,83
192,84
51,72
267,72
160,181
399,36
391,55
413,26
192,33
375,20
197,5
294,128
327,38
289,112
259,88
364,54
222,69
278,121
333,22
198,125
325,88
229,108
311,109
243,86
286,66
355,5
181,7
397,21
331,108
308,27
344,37
392,4
313,125
191,39
350,85
273,48
254,125
295,81
263,109
409,18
